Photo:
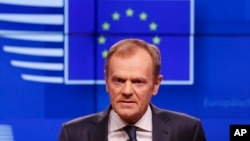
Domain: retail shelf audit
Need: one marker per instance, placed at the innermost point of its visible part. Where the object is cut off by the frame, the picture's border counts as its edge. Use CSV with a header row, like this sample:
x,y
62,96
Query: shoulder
x,y
185,127
81,127
84,121
176,117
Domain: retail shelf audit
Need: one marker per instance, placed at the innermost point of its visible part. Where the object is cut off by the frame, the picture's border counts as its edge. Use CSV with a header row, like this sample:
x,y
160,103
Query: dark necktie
x,y
131,131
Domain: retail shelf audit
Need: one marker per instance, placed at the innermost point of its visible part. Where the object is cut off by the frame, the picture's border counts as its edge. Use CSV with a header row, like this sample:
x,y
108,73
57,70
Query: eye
x,y
138,82
118,80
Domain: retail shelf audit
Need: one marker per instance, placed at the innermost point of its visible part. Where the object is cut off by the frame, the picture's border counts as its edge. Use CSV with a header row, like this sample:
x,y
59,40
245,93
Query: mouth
x,y
126,103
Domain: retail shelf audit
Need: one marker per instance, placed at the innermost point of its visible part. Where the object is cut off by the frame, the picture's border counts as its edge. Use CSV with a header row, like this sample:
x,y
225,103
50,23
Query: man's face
x,y
131,84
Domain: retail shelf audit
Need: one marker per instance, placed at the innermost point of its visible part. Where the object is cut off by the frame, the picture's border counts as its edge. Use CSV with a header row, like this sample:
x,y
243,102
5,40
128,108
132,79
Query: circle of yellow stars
x,y
143,16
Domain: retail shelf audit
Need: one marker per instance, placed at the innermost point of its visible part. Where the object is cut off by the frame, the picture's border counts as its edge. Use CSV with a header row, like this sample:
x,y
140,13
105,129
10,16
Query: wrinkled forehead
x,y
138,64
128,50
138,58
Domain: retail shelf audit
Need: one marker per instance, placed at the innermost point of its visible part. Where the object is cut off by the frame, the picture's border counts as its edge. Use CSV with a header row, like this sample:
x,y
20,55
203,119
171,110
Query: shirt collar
x,y
145,123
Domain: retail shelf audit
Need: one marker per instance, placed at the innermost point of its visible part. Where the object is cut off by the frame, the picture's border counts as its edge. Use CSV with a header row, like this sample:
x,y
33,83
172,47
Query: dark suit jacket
x,y
167,126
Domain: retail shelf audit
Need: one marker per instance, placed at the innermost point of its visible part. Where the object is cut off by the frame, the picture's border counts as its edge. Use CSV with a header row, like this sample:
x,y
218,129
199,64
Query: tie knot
x,y
131,131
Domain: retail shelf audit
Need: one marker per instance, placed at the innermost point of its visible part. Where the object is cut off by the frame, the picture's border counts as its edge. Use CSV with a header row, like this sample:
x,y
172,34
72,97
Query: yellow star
x,y
156,40
104,53
101,40
116,16
129,12
143,16
153,26
105,26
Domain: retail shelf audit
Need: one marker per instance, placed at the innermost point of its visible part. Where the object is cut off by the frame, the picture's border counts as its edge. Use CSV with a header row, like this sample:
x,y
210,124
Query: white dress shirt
x,y
143,132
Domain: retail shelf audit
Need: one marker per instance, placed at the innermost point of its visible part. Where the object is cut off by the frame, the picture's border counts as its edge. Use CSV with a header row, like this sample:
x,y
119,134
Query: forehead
x,y
139,61
130,50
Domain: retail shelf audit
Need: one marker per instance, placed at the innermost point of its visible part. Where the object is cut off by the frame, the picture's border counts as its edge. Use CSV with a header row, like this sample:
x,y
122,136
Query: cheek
x,y
113,93
144,97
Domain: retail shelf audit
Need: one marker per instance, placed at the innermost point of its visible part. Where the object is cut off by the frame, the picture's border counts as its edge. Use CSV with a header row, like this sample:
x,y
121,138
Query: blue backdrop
x,y
52,55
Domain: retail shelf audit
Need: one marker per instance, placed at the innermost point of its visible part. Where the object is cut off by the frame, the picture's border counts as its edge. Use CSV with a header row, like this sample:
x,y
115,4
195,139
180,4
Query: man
x,y
132,76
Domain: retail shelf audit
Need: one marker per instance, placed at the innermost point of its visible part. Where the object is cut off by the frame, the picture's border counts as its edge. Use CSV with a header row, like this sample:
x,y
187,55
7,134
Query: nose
x,y
127,89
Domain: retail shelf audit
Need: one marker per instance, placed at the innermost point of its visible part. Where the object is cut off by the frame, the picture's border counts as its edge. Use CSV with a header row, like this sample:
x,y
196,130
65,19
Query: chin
x,y
128,114
130,119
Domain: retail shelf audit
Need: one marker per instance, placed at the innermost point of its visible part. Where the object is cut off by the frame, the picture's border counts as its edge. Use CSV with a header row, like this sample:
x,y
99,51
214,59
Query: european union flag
x,y
66,42
167,24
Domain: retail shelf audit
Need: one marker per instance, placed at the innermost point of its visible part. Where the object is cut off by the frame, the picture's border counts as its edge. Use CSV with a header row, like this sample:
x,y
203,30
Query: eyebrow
x,y
132,78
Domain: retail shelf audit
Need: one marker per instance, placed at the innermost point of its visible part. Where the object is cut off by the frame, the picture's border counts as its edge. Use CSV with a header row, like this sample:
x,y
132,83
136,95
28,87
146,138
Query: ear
x,y
106,80
157,84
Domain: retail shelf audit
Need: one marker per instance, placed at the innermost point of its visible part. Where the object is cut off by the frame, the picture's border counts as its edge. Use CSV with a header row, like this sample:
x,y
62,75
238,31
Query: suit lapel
x,y
161,132
99,129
